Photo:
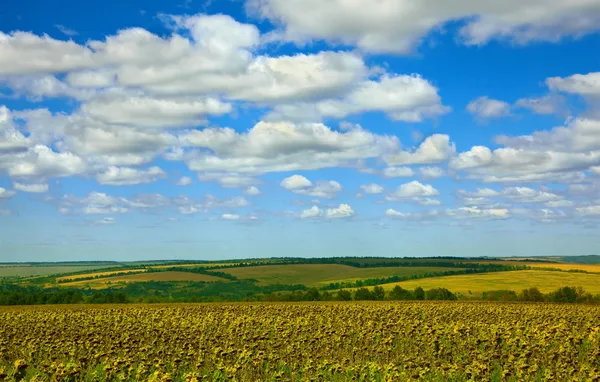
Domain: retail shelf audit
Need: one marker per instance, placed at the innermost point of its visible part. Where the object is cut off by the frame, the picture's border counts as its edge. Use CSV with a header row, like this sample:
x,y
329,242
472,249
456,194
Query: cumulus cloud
x,y
153,112
284,146
431,172
513,194
184,181
408,98
31,187
6,194
399,25
230,217
434,149
322,189
415,189
295,182
122,176
582,84
397,172
343,211
252,191
487,108
372,188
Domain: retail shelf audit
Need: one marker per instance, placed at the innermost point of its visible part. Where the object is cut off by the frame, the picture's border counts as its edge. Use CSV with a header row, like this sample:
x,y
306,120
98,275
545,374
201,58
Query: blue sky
x,y
214,130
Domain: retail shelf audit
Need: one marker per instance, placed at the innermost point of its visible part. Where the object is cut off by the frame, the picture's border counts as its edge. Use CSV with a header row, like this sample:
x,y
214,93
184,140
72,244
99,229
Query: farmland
x,y
319,274
545,281
388,341
8,270
142,277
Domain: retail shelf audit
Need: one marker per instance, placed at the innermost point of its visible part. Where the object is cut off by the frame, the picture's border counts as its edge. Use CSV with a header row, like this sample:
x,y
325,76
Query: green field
x,y
545,281
7,270
322,274
106,282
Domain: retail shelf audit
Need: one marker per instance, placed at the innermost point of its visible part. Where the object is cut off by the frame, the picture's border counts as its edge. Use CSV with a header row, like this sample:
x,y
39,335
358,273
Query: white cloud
x,y
283,146
42,161
343,211
408,98
121,176
153,112
591,211
322,189
528,195
184,181
230,217
413,216
487,108
478,213
514,194
6,194
415,189
372,188
583,84
431,172
550,104
399,25
295,182
559,203
397,172
311,213
227,179
252,191
434,149
24,52
31,187
101,78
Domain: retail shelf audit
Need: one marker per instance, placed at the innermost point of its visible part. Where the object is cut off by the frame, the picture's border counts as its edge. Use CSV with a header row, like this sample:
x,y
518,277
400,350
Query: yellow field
x,y
99,274
321,274
545,281
534,264
386,341
140,277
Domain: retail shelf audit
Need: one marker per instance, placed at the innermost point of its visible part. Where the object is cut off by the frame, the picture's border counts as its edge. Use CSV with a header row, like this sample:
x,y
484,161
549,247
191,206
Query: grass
x,y
545,281
45,270
98,274
141,277
322,274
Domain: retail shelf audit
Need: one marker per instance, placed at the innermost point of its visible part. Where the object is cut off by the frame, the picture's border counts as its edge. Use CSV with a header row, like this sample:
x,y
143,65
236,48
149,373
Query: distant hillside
x,y
586,259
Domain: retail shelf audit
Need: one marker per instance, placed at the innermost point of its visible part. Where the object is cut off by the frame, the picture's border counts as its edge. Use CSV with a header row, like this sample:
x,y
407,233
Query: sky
x,y
243,129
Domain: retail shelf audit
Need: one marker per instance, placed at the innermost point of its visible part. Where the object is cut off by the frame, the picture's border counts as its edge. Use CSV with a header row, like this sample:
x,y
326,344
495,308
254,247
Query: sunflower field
x,y
331,341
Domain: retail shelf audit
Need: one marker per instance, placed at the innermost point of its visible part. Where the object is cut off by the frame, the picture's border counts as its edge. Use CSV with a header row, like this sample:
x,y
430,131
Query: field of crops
x,y
141,277
303,341
34,270
320,274
545,281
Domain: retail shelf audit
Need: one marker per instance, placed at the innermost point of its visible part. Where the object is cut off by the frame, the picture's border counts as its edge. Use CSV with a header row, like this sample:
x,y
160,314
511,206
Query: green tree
x,y
378,293
344,295
399,293
363,294
419,294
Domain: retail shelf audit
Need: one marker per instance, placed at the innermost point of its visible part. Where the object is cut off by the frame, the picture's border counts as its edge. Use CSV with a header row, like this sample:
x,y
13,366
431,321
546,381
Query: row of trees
x,y
563,294
362,294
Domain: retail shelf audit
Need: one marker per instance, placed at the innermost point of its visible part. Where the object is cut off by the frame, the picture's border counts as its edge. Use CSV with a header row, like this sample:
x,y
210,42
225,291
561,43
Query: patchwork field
x,y
46,270
322,274
142,277
545,281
